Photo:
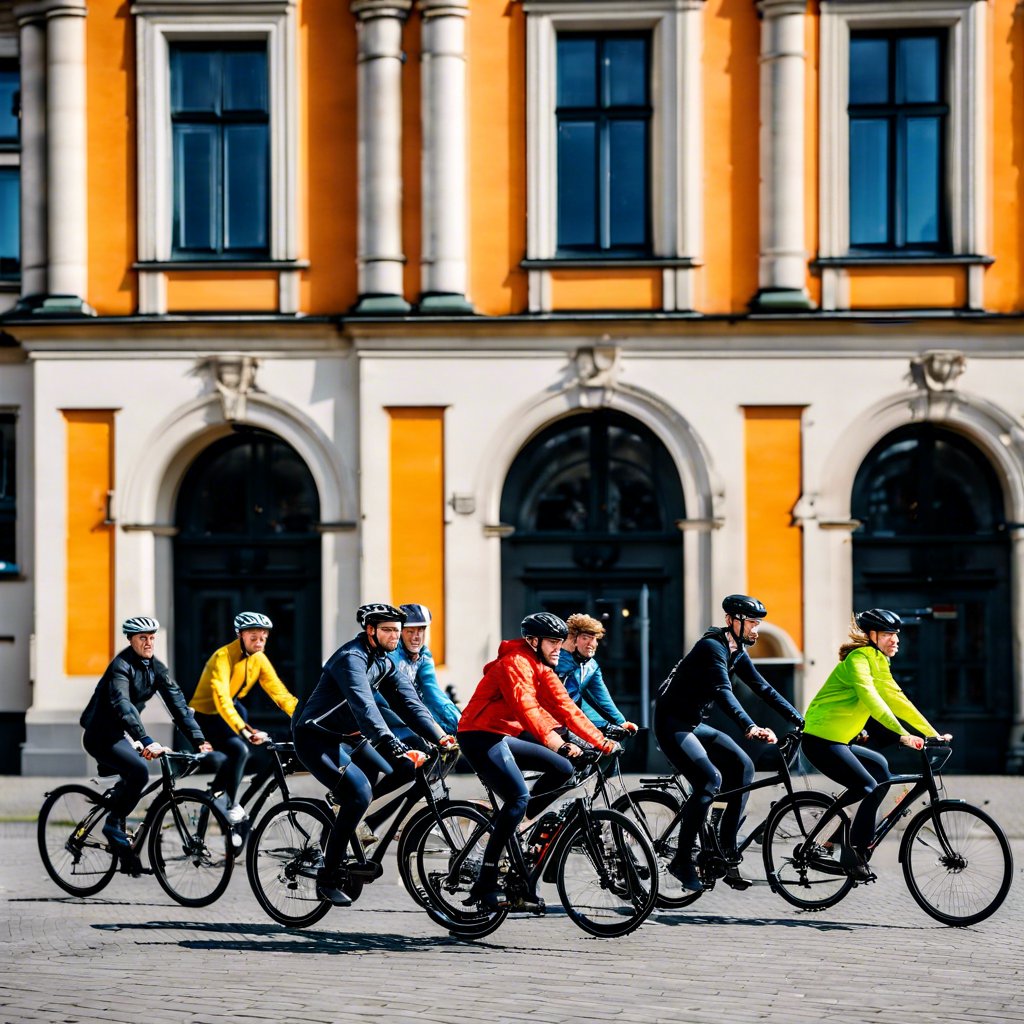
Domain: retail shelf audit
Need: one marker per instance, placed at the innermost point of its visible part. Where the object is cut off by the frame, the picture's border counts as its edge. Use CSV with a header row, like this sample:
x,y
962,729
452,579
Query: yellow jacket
x,y
229,675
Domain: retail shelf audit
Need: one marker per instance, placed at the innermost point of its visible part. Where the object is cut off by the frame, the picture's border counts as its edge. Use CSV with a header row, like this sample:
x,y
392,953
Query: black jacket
x,y
128,683
342,702
704,677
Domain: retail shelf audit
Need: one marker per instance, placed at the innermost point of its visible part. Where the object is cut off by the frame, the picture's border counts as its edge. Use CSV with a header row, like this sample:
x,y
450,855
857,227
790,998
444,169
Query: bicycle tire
x,y
789,868
654,810
194,869
285,851
80,865
405,852
956,862
607,877
438,843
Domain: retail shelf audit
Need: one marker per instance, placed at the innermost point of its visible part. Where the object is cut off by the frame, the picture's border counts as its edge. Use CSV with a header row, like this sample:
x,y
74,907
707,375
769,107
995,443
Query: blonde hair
x,y
858,639
581,623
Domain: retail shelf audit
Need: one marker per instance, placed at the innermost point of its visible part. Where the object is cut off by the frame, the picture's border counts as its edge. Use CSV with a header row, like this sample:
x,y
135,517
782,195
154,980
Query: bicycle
x,y
189,838
956,859
658,807
601,862
286,846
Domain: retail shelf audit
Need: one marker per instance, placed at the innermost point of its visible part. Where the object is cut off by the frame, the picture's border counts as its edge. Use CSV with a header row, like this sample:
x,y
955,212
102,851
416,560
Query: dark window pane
x,y
577,184
918,70
9,105
245,80
625,72
195,80
869,70
294,506
10,220
869,182
632,494
922,185
8,504
196,184
627,167
245,181
577,71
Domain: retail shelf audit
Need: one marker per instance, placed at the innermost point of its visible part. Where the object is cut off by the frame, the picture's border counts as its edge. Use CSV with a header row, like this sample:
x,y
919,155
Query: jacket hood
x,y
507,647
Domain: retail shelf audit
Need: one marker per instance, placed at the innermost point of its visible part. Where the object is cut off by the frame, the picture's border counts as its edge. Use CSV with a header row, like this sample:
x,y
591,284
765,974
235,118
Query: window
x,y
603,114
10,172
221,145
897,114
8,504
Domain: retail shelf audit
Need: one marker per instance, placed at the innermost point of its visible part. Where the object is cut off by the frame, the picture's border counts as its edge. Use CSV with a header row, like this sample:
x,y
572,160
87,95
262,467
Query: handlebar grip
x,y
616,732
937,741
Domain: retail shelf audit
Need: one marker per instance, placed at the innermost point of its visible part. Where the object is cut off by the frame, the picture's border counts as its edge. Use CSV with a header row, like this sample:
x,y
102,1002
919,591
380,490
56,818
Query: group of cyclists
x,y
377,707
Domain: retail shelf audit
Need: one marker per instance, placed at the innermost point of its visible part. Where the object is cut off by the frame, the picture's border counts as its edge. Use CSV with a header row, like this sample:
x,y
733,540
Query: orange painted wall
x,y
897,287
774,483
596,289
110,142
90,543
417,514
496,44
194,292
731,173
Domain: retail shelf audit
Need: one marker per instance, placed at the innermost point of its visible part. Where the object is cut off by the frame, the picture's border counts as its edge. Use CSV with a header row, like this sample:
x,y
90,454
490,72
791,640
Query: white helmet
x,y
139,624
252,620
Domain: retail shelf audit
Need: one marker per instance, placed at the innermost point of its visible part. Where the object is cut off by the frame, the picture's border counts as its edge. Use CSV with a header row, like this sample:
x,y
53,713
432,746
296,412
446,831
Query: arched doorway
x,y
247,515
933,536
593,500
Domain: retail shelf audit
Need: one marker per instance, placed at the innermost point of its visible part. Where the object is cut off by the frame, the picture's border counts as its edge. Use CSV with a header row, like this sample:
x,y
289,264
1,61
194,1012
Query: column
x,y
66,157
444,156
783,261
32,43
381,259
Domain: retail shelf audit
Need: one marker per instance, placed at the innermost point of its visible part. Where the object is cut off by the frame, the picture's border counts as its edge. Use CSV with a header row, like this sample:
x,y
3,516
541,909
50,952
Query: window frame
x,y
11,569
964,145
10,159
159,23
675,140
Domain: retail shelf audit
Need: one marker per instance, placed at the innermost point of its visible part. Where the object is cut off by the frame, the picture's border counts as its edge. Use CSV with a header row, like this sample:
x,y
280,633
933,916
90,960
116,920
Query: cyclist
x,y
519,691
129,681
861,686
581,674
706,757
342,740
231,672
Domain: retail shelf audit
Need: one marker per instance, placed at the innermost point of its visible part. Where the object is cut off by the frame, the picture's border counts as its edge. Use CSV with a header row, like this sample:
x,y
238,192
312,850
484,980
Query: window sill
x,y
910,260
609,262
206,265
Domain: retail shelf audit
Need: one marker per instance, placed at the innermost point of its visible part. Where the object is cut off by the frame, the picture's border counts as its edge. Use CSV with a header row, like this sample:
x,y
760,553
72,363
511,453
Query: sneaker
x,y
115,832
732,876
686,874
365,835
855,864
329,884
236,814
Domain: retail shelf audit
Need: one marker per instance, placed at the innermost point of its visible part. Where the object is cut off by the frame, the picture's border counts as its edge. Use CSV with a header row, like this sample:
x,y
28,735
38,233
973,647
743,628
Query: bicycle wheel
x,y
808,878
654,811
284,854
607,875
956,862
437,848
190,847
73,850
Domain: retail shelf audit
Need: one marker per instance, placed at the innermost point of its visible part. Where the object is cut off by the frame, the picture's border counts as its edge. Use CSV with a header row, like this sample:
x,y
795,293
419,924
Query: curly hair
x,y
581,623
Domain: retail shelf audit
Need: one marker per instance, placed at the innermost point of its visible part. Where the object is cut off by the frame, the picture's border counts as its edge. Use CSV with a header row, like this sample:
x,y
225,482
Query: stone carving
x,y
597,366
938,370
234,376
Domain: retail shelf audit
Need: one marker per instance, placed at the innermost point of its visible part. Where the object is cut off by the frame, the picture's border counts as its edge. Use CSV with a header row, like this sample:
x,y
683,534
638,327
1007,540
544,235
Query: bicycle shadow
x,y
269,938
673,920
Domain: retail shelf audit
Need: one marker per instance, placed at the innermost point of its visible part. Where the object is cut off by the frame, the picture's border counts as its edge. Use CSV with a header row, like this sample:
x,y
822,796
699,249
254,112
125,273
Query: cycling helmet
x,y
879,619
416,614
739,606
139,624
252,620
544,625
372,614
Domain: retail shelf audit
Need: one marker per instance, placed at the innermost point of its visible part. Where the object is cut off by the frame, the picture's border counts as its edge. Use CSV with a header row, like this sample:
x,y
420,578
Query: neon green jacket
x,y
861,687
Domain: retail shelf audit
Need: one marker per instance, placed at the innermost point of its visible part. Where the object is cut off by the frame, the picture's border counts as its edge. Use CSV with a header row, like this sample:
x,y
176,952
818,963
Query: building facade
x,y
603,305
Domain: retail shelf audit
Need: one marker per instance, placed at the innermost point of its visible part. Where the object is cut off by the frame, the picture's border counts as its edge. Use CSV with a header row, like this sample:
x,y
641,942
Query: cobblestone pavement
x,y
131,954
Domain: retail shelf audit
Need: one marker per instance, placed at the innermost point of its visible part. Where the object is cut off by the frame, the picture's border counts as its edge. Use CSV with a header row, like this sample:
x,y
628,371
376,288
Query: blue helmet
x,y
416,614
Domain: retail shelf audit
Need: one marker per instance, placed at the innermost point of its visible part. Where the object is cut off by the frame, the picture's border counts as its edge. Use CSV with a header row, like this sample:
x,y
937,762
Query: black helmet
x,y
372,614
879,619
545,626
739,606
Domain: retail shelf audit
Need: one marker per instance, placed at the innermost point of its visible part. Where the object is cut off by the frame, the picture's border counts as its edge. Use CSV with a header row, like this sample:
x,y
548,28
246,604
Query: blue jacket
x,y
421,675
586,686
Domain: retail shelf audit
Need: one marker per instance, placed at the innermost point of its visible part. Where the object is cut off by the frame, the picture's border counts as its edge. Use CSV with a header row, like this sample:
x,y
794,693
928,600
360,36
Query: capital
x,y
780,8
443,8
367,10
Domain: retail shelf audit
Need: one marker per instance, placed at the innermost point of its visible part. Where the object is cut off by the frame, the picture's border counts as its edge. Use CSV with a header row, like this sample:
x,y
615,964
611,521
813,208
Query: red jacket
x,y
519,692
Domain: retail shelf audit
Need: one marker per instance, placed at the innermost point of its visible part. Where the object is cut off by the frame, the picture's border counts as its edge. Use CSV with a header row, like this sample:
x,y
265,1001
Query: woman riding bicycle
x,y
860,687
519,691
